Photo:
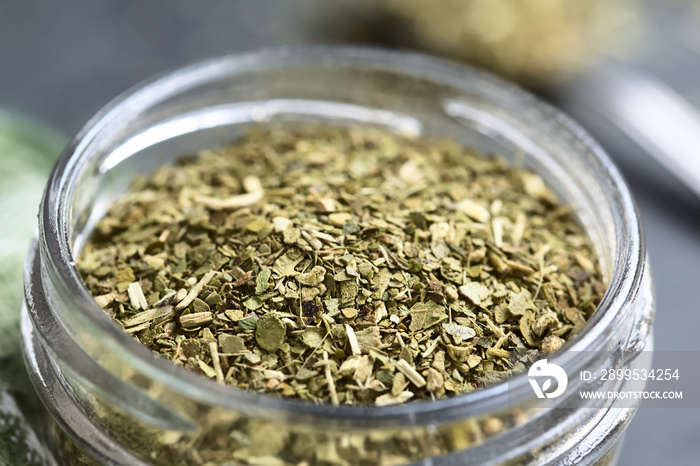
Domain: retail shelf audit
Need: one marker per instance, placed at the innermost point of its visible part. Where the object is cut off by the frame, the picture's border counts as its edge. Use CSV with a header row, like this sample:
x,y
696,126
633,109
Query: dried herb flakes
x,y
344,266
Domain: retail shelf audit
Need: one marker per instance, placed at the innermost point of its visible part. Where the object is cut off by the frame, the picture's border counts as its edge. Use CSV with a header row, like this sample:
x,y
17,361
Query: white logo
x,y
552,371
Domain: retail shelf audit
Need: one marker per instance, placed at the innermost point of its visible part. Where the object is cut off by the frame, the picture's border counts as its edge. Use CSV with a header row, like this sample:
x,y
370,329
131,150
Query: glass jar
x,y
116,402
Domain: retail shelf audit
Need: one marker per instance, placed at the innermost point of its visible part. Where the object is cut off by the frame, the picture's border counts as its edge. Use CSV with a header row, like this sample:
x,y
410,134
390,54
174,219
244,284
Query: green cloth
x,y
27,153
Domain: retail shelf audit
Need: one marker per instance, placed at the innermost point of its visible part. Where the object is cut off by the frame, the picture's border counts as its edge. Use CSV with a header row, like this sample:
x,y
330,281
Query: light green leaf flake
x,y
459,331
262,282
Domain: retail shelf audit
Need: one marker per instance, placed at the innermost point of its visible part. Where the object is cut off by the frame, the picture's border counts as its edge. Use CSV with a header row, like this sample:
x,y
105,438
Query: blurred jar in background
x,y
534,42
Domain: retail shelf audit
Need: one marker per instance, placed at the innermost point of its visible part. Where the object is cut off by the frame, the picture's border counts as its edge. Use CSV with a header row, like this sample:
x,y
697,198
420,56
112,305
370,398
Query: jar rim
x,y
56,251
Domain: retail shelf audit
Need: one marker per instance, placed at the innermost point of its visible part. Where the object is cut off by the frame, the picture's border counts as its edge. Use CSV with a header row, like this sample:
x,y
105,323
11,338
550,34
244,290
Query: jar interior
x,y
220,112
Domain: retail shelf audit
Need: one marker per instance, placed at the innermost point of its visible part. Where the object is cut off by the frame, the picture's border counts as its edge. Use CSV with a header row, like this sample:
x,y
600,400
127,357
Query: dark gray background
x,y
60,61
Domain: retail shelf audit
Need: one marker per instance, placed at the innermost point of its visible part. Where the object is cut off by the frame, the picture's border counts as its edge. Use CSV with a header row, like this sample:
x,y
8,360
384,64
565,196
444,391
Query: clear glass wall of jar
x,y
117,403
